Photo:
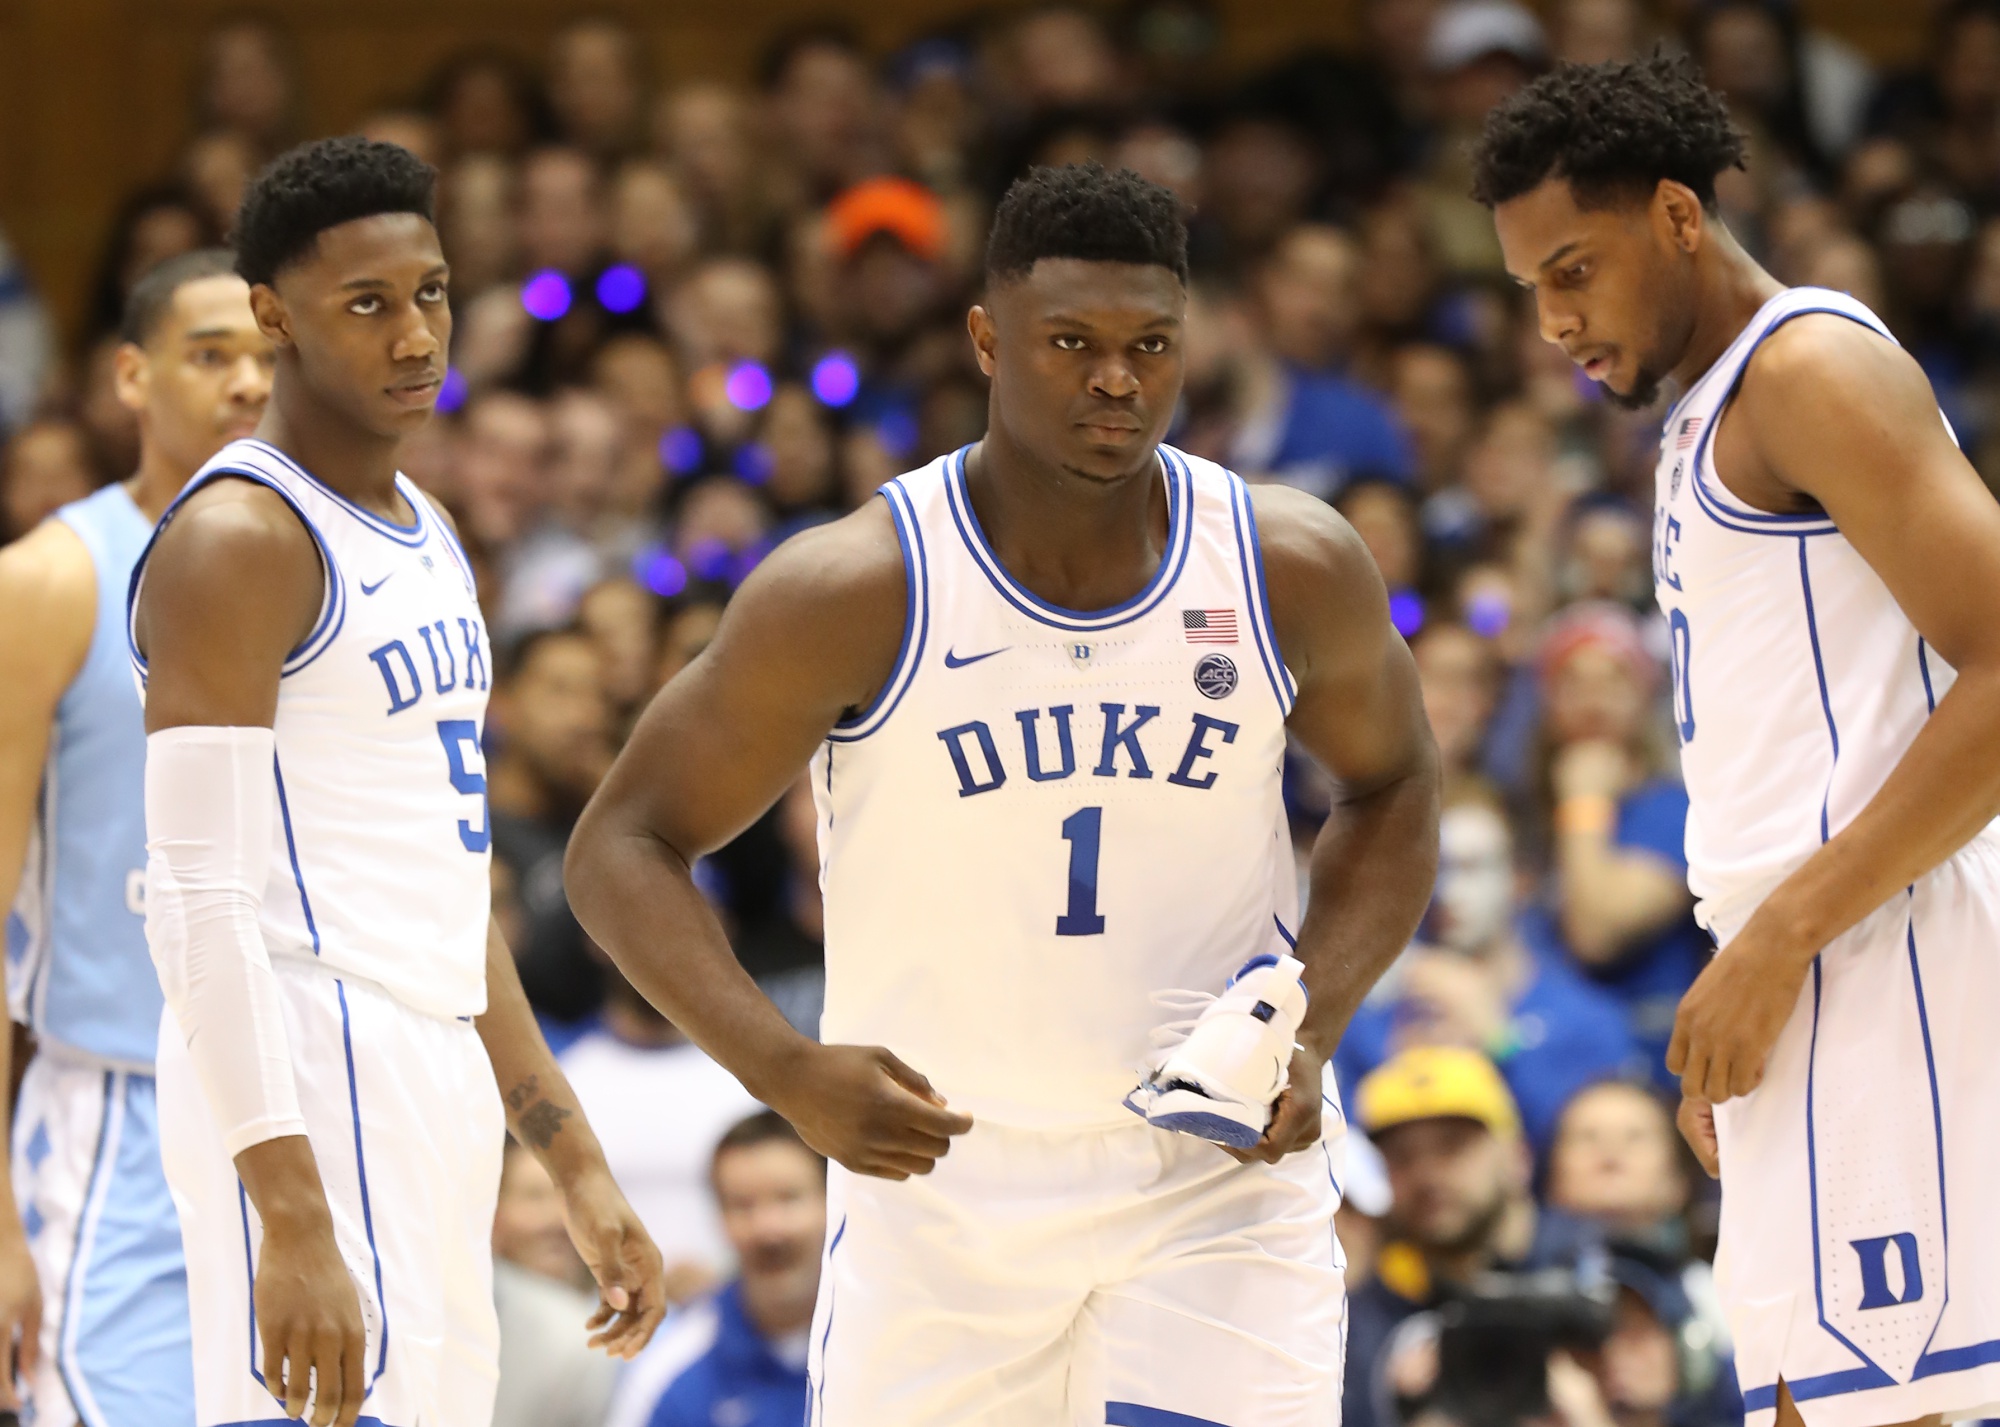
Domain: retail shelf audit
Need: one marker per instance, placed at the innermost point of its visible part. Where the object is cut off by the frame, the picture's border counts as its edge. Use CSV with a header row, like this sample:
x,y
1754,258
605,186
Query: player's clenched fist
x,y
861,1106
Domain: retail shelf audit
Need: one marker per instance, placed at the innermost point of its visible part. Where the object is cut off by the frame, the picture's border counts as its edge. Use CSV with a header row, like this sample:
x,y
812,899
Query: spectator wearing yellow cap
x,y
1460,1201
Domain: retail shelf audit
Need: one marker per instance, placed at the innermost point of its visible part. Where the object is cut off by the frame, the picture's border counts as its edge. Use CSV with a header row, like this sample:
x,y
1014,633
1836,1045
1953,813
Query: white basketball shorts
x,y
1126,1276
1860,1251
406,1125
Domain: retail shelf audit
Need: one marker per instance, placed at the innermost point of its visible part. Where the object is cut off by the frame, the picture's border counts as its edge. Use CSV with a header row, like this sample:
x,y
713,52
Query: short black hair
x,y
321,185
154,293
763,1128
1085,211
1611,130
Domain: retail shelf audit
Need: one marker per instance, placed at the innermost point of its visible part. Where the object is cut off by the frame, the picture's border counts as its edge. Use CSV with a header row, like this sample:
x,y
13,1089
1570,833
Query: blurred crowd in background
x,y
691,320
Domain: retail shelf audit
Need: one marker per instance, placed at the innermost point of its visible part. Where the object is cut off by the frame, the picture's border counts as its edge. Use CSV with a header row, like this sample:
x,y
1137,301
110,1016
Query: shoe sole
x,y
1189,1113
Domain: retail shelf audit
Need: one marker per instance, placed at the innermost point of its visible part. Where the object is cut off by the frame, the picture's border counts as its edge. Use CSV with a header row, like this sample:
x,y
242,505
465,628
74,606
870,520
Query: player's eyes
x,y
431,292
1153,346
1070,344
365,306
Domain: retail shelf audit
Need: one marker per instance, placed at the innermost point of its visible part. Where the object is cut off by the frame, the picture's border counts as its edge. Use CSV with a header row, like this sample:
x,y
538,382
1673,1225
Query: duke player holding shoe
x,y
1829,565
94,1252
1044,685
339,1005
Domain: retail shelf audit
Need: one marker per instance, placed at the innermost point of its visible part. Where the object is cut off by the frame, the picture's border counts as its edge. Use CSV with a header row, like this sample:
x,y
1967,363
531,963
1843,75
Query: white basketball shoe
x,y
1217,1074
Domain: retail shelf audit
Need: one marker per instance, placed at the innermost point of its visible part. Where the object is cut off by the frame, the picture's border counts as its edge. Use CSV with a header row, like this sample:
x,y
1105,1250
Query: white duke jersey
x,y
1798,680
1046,816
379,832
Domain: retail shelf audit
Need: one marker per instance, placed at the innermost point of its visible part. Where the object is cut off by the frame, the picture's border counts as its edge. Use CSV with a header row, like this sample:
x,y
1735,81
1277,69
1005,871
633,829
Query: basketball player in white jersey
x,y
92,1247
1829,565
1045,685
339,1004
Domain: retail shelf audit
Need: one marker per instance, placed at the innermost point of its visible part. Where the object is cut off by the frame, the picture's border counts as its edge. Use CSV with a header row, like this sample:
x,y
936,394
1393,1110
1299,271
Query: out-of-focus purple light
x,y
753,462
897,432
660,572
748,387
546,295
621,288
1489,615
748,559
1406,612
710,559
835,379
680,450
451,392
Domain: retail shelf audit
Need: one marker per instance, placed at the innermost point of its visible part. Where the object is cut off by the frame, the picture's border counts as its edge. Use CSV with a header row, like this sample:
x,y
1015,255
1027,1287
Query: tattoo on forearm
x,y
537,1119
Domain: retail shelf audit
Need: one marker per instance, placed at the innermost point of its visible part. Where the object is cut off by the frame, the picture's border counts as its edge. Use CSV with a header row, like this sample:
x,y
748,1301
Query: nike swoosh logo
x,y
952,661
368,589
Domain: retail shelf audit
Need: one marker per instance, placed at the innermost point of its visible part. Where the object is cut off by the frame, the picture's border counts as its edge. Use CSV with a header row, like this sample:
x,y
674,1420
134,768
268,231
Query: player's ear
x,y
131,377
979,322
272,318
1680,212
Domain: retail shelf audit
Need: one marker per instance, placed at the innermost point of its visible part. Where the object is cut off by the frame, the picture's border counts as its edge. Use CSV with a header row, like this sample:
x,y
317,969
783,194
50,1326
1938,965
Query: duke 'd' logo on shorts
x,y
1215,676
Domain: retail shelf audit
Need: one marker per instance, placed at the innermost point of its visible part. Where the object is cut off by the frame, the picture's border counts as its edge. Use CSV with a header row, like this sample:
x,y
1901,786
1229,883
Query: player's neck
x,y
1077,543
157,481
358,463
1729,288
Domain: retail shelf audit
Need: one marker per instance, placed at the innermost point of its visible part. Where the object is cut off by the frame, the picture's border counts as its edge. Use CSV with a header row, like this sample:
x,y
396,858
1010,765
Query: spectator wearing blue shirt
x,y
1478,985
738,1356
1619,820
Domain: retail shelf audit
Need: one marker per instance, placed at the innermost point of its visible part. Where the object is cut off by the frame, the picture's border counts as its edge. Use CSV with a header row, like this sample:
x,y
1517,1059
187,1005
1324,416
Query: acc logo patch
x,y
1674,481
1215,676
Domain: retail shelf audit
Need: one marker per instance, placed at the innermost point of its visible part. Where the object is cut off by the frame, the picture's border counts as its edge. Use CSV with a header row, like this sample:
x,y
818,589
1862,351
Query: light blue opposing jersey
x,y
1799,682
1047,816
379,834
77,968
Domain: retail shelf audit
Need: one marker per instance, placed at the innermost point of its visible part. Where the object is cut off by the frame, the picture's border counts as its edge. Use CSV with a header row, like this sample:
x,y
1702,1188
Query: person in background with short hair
x,y
549,1376
739,1356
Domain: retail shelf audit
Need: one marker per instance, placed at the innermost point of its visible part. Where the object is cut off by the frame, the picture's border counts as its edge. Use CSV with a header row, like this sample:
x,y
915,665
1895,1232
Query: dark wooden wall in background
x,y
94,93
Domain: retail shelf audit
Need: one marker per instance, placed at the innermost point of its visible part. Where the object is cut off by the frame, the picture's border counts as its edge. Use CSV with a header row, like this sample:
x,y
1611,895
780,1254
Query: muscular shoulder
x,y
48,586
1836,372
236,554
830,601
1323,584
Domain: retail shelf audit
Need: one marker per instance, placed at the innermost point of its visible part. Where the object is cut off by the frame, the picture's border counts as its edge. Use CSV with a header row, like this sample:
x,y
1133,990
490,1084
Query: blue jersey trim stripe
x,y
1250,556
817,1408
96,1189
332,610
916,620
1880,1378
411,535
1180,539
1937,1121
1825,699
1924,668
1131,1414
1715,503
292,848
361,1174
250,1282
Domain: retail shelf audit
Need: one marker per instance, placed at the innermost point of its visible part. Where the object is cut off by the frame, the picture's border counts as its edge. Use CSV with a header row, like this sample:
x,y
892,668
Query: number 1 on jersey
x,y
1082,830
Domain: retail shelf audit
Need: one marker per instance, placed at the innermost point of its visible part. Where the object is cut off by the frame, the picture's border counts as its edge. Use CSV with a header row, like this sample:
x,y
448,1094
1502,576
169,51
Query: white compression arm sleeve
x,y
209,797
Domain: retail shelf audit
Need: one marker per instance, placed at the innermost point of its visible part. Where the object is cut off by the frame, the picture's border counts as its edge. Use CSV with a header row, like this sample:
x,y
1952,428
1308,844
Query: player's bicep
x,y
810,636
1853,423
47,587
232,585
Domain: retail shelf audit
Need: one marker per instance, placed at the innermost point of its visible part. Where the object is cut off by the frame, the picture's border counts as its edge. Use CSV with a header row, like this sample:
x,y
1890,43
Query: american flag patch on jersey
x,y
1690,428
1209,626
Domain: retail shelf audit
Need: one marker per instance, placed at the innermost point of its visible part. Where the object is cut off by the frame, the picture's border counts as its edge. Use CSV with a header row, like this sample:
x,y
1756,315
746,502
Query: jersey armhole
x,y
333,601
1250,555
916,622
1721,505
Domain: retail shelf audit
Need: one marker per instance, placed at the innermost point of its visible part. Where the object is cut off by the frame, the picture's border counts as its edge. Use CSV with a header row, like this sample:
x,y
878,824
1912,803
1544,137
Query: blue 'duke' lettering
x,y
975,752
398,667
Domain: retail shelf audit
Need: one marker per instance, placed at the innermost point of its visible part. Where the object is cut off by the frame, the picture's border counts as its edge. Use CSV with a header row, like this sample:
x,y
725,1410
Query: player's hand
x,y
20,1309
860,1106
1730,1018
621,1256
1295,1119
309,1315
1696,1119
